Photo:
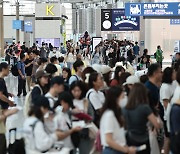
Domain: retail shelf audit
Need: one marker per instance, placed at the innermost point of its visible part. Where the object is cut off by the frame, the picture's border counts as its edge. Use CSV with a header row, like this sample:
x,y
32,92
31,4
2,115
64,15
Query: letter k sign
x,y
49,10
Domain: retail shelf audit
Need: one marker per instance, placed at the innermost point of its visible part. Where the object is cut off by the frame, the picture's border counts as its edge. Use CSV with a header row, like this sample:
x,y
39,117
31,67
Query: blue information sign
x,y
152,9
28,26
175,21
120,22
17,24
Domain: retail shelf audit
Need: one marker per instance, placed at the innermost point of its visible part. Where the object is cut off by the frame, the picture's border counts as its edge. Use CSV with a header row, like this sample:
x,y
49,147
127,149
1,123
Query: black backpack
x,y
155,55
14,70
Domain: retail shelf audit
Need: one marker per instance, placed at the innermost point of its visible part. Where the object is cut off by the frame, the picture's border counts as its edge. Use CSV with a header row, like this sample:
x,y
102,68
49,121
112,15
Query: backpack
x,y
28,100
155,55
96,113
14,70
63,51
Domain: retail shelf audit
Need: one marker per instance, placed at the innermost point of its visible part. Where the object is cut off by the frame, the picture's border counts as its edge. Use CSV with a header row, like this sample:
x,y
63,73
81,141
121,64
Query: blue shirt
x,y
136,50
21,67
153,93
175,119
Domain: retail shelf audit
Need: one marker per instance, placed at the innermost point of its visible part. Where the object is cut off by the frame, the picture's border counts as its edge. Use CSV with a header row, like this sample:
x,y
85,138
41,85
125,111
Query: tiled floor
x,y
14,121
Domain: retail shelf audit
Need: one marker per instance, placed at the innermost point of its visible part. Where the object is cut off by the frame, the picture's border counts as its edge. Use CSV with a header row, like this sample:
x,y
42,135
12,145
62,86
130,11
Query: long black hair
x,y
111,103
116,73
36,111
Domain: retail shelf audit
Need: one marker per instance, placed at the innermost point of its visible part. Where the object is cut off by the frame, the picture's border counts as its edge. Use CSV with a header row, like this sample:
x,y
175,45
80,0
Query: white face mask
x,y
123,102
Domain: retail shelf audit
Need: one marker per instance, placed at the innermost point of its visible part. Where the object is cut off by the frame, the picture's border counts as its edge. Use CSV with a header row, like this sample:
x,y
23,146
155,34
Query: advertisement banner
x,y
115,20
95,42
152,9
120,22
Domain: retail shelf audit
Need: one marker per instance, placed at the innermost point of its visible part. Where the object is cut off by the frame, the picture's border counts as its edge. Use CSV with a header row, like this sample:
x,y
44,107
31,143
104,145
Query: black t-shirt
x,y
28,69
3,89
137,118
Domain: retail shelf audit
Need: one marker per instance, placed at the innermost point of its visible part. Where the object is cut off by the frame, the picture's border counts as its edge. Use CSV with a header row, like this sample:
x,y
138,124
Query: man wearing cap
x,y
56,87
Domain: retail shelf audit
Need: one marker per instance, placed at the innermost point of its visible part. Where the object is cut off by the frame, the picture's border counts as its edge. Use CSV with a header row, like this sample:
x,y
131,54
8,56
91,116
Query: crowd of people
x,y
83,102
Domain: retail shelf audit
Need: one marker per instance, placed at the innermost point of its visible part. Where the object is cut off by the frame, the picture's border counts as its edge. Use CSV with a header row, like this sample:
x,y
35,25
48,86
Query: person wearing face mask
x,y
37,139
78,67
112,124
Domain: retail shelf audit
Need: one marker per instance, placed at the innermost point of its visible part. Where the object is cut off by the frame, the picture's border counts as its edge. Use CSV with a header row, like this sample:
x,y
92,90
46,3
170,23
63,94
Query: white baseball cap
x,y
131,80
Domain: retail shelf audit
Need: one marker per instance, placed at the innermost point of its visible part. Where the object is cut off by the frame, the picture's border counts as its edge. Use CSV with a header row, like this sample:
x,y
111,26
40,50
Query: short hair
x,y
136,42
53,59
42,60
158,46
61,59
57,80
3,65
36,52
167,75
51,68
153,68
178,76
77,64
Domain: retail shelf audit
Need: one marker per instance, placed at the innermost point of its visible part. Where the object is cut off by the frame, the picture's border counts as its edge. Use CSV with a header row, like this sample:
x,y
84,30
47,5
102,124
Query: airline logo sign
x,y
48,10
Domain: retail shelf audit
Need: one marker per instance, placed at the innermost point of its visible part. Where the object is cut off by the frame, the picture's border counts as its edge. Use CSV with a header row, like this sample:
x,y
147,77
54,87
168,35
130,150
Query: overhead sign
x,y
17,24
28,26
120,22
152,9
115,20
48,10
106,20
174,21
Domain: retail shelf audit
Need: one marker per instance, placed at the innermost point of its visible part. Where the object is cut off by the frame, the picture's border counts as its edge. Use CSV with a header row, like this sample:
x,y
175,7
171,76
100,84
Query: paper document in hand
x,y
78,124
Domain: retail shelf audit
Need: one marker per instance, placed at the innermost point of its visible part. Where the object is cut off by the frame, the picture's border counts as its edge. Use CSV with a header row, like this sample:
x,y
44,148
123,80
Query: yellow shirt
x,y
2,125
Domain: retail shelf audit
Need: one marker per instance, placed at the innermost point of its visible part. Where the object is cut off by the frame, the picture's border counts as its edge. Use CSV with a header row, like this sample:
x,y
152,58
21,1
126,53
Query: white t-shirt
x,y
54,54
109,124
52,99
37,139
59,70
61,120
79,104
70,58
96,98
166,92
